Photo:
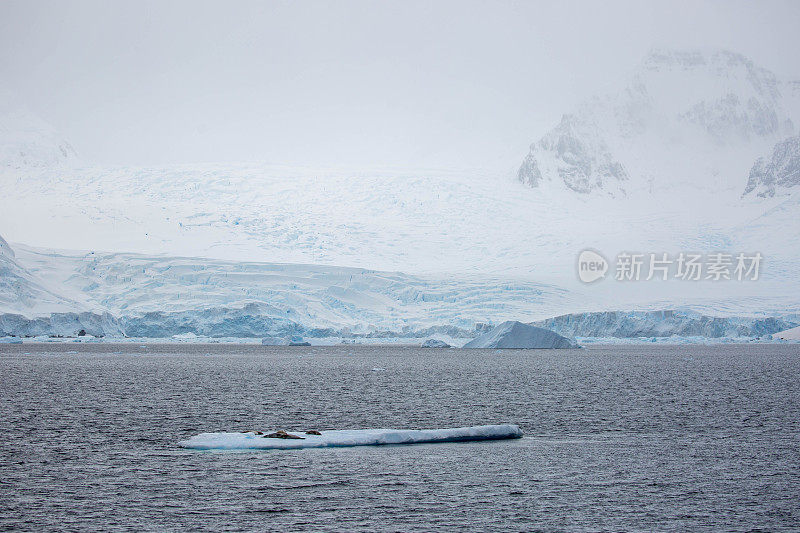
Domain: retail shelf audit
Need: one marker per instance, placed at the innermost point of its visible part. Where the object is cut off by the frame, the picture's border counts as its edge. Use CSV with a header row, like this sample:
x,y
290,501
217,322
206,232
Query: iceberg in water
x,y
293,340
351,437
513,334
434,343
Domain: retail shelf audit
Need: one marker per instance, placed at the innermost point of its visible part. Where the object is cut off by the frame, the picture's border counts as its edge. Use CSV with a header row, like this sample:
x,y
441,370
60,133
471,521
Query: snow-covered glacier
x,y
21,291
132,295
154,296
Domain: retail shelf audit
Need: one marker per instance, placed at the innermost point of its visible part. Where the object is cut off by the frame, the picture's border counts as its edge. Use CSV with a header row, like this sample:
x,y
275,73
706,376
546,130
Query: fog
x,y
459,85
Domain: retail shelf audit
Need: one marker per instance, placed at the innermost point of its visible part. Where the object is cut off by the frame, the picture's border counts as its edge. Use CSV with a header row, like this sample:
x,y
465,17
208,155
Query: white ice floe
x,y
354,437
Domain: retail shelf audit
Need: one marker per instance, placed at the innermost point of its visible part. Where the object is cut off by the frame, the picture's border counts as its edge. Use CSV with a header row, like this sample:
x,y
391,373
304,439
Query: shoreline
x,y
165,345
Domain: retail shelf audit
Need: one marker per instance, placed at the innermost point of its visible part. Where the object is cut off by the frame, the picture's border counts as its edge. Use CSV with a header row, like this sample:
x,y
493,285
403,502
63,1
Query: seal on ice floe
x,y
281,434
313,432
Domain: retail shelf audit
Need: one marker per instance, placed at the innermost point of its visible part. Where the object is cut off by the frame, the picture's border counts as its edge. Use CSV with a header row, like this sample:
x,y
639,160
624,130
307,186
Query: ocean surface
x,y
617,438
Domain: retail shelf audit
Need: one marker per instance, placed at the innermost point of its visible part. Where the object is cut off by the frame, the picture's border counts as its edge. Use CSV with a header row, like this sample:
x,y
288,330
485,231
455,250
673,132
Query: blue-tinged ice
x,y
352,437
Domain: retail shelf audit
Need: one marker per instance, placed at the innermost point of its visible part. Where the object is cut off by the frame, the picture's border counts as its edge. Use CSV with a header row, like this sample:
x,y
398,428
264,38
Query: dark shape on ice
x,y
281,434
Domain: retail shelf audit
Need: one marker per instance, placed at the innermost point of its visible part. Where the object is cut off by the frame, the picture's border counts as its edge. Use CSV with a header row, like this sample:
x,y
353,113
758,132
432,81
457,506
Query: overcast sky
x,y
348,84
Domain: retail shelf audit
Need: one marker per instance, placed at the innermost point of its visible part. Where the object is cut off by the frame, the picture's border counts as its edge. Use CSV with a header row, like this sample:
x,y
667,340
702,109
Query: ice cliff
x,y
23,292
668,323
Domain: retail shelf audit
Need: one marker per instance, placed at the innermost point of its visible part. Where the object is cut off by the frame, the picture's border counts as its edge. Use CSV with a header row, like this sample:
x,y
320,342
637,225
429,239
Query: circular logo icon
x,y
591,266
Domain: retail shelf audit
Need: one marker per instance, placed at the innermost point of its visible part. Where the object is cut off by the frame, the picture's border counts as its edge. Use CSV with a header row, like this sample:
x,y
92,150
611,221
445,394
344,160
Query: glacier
x,y
346,438
118,296
263,250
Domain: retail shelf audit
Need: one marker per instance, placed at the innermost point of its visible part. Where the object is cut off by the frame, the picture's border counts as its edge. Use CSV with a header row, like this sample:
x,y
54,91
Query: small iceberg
x,y
514,334
188,336
434,343
10,340
353,437
274,341
294,340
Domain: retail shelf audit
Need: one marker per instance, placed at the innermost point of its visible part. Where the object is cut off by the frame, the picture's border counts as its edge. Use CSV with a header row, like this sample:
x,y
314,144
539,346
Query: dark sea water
x,y
635,438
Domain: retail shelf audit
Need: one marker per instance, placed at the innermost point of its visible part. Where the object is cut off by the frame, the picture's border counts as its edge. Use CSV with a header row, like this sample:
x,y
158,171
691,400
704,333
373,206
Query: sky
x,y
349,84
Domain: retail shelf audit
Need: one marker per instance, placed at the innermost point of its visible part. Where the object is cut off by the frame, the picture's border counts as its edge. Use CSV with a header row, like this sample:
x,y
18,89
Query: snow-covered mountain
x,y
223,249
686,119
28,141
777,174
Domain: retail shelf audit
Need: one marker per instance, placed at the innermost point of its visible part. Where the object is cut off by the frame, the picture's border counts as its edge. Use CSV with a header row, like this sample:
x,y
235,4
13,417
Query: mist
x,y
457,85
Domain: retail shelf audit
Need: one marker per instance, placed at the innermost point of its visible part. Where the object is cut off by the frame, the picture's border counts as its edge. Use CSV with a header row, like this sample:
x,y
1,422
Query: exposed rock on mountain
x,y
579,158
693,117
778,173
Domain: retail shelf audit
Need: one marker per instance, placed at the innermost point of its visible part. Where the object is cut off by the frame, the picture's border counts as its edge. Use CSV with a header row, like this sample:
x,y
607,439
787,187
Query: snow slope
x,y
28,141
792,334
426,223
23,292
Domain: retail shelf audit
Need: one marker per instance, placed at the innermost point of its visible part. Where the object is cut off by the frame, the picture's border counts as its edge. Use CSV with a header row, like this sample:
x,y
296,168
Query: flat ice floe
x,y
353,437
